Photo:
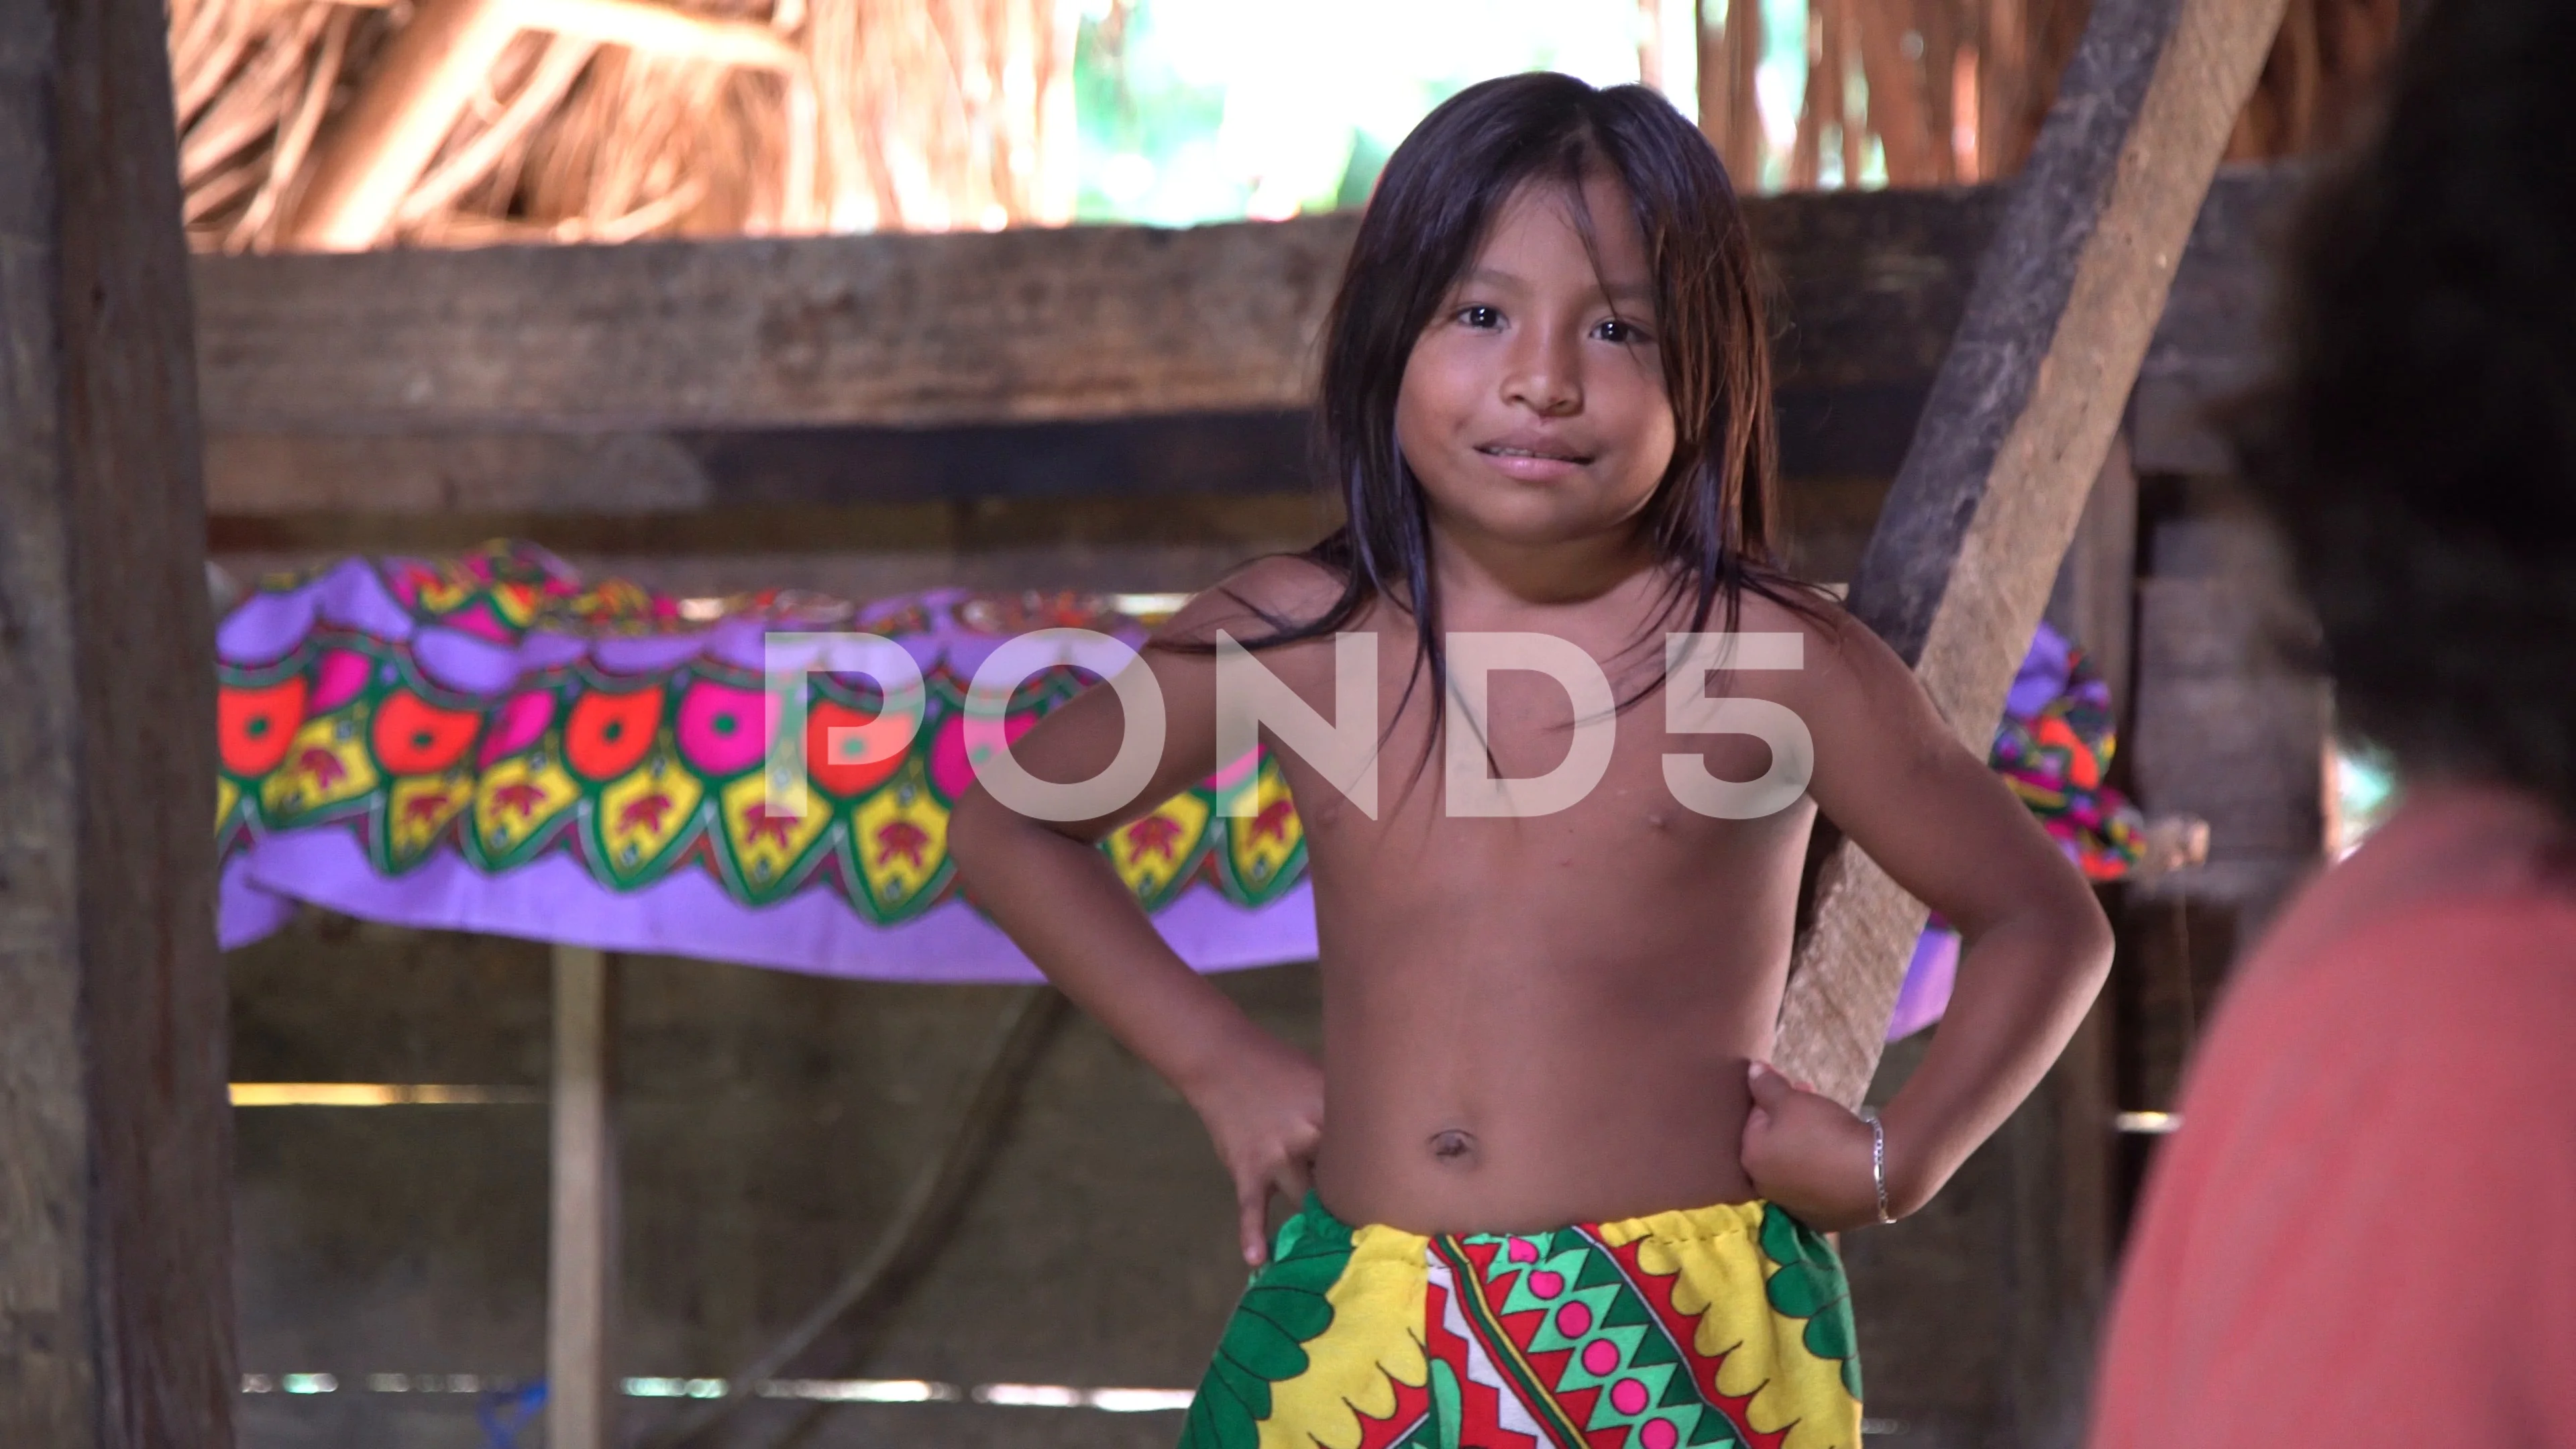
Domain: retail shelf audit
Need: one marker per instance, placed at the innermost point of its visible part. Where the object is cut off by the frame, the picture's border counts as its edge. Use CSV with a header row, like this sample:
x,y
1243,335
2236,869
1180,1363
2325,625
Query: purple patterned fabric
x,y
377,716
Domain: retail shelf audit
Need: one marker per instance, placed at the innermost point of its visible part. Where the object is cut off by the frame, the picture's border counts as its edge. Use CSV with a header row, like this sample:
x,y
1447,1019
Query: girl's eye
x,y
1621,332
1480,316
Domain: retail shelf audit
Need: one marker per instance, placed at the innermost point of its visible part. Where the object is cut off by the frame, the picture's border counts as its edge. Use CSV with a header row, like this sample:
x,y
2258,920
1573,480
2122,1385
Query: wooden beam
x,y
2021,415
899,330
370,156
513,479
270,475
581,1302
907,331
116,1302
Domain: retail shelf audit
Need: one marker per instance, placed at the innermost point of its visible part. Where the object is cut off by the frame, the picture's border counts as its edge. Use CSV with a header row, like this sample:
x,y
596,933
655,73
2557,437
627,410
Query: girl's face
x,y
1533,407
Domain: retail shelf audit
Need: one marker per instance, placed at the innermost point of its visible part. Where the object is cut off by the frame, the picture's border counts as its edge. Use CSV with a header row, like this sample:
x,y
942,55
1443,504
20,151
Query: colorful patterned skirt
x,y
1715,1326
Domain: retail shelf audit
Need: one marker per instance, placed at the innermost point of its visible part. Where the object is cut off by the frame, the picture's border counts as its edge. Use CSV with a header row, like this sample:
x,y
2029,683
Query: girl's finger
x,y
1249,1211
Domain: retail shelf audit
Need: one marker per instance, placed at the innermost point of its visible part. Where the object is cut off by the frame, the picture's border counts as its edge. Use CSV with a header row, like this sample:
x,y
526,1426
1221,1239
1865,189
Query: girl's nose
x,y
1544,373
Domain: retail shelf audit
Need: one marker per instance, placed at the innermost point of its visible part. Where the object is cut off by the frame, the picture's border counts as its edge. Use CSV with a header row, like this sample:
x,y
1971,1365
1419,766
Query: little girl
x,y
1550,1192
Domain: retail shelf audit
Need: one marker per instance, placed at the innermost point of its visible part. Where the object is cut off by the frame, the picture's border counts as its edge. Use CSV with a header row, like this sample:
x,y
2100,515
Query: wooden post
x,y
116,1304
581,1305
2017,425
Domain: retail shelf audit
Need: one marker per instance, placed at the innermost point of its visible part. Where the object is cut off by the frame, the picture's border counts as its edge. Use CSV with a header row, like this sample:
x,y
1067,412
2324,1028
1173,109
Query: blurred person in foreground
x,y
2365,1231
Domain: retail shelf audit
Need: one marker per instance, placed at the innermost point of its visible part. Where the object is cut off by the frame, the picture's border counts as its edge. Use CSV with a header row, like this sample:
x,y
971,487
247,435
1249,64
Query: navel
x,y
1453,1146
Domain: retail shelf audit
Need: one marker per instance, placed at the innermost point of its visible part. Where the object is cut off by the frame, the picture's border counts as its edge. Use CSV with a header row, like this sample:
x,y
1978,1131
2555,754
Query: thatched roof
x,y
1954,90
309,122
354,123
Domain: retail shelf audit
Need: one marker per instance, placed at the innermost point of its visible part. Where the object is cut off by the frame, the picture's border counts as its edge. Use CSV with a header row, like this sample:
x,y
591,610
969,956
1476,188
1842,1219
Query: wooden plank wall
x,y
835,370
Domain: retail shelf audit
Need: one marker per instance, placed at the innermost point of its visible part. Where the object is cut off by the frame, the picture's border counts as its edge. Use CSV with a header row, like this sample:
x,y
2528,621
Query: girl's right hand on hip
x,y
1265,1112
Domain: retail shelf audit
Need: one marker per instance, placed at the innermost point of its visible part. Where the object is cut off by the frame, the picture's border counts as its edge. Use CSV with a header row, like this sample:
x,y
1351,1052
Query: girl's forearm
x,y
1061,900
2023,988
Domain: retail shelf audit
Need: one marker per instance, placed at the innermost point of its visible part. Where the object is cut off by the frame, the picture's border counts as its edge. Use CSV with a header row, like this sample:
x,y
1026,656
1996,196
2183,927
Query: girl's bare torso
x,y
1539,1021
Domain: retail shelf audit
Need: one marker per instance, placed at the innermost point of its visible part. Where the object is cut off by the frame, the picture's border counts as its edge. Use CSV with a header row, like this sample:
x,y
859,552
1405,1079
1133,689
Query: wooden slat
x,y
268,474
116,1302
581,1366
274,475
893,330
2095,599
1020,326
2230,726
2209,345
1959,567
509,478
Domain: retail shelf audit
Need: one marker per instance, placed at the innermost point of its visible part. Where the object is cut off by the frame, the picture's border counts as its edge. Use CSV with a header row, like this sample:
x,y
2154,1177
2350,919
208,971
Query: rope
x,y
919,1222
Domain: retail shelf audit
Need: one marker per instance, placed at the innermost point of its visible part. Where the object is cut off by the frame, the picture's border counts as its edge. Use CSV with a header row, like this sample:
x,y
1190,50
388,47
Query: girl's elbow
x,y
2087,933
2062,924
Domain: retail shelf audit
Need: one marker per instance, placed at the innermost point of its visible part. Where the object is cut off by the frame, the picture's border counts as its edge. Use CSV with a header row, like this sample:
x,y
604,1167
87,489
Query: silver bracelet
x,y
1878,1160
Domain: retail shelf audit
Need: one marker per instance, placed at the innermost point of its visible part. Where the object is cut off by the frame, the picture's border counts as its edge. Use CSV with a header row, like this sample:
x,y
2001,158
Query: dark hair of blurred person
x,y
2419,448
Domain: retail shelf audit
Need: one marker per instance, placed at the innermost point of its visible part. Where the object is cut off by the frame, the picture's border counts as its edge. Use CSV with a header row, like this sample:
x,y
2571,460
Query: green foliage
x,y
1193,111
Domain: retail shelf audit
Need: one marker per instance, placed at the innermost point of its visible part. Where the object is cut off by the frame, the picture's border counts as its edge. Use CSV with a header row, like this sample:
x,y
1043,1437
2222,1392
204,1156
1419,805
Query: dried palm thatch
x,y
1955,90
313,122
347,123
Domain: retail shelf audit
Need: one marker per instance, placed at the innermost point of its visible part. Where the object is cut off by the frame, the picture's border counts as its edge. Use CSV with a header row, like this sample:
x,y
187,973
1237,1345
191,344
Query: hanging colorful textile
x,y
487,743
2052,748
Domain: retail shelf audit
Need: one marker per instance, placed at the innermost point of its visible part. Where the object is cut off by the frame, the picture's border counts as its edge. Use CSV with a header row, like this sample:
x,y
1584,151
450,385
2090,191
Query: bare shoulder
x,y
1262,597
1835,642
1849,679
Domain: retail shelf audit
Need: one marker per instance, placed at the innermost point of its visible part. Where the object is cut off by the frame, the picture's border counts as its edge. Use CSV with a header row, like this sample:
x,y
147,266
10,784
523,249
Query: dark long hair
x,y
1712,516
2417,447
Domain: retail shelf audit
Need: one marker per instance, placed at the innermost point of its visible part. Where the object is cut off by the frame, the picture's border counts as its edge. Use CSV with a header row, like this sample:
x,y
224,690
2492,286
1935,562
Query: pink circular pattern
x,y
518,723
1522,1250
1628,1396
1573,1319
1600,1356
722,729
342,673
1546,1284
1658,1434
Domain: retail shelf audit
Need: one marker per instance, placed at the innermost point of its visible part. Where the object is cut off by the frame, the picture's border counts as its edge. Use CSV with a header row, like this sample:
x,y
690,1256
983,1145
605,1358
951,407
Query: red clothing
x,y
2365,1231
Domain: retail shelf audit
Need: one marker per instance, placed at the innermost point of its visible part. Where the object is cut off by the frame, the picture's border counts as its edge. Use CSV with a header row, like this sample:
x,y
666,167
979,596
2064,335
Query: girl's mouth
x,y
1542,465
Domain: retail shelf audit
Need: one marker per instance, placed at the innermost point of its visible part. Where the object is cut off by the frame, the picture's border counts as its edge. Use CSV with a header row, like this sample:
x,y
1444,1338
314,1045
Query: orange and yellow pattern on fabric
x,y
1724,1326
